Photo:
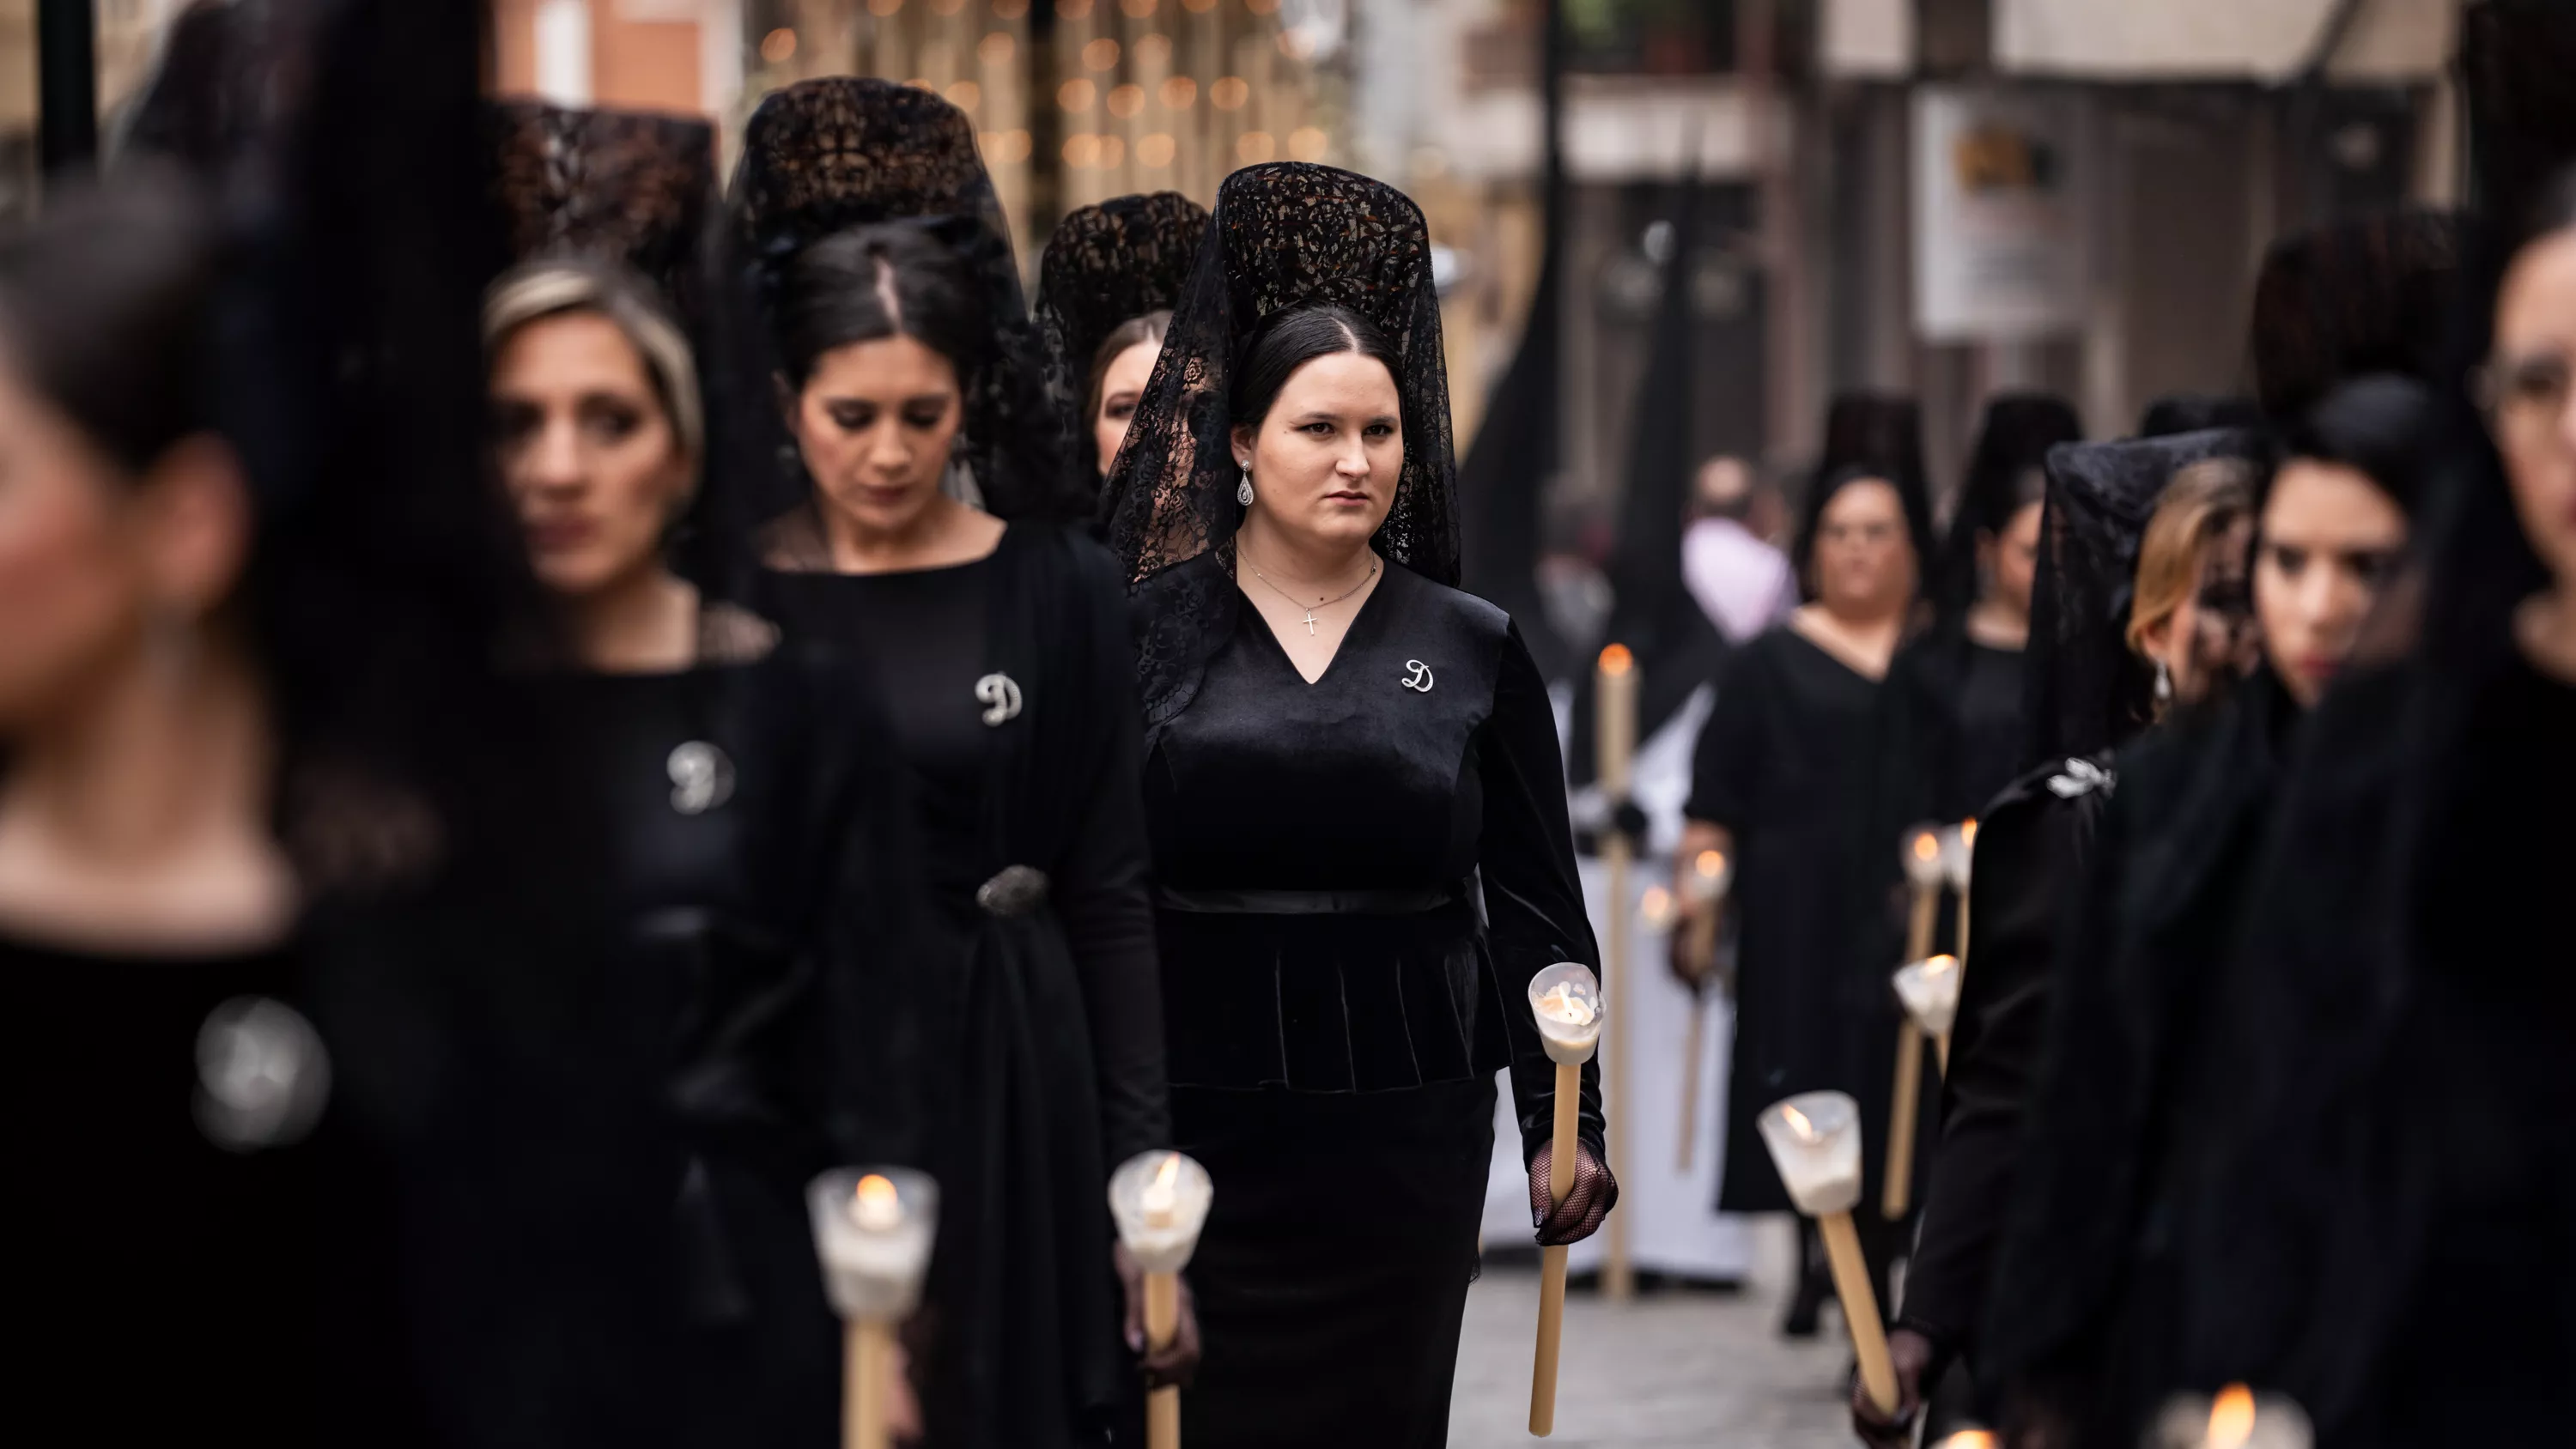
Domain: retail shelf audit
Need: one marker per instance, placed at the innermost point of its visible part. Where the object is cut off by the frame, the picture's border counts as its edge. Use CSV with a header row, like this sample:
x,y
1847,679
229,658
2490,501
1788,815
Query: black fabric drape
x,y
1503,480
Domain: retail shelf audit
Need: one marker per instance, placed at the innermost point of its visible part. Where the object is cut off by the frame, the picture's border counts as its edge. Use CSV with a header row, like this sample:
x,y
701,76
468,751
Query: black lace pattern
x,y
1285,235
636,187
2082,690
1106,266
826,155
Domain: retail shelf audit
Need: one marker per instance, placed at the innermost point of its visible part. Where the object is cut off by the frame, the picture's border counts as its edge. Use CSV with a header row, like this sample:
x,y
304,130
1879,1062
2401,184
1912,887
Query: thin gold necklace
x,y
1320,603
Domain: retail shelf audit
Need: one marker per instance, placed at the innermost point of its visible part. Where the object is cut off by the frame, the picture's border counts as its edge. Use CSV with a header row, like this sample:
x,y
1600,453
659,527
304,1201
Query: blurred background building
x,y
1943,196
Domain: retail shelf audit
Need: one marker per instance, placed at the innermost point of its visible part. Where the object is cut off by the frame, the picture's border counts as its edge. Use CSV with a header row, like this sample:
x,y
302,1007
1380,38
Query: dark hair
x,y
106,307
1820,495
2380,426
893,279
1148,328
1290,340
2192,412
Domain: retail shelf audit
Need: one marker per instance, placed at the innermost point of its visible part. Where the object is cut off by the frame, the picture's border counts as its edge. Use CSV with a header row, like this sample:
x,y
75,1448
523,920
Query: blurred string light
x,y
965,95
1100,54
995,48
1005,145
1252,147
1076,95
779,46
1180,93
1126,100
1308,143
1229,93
1153,48
883,8
1155,150
1073,9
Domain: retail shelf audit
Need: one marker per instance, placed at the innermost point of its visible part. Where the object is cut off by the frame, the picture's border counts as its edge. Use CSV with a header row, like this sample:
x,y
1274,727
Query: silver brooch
x,y
1417,676
701,777
1000,696
262,1075
2081,777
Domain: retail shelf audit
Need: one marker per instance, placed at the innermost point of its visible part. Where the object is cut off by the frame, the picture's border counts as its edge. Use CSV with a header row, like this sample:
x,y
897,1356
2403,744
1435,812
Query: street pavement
x,y
1666,1371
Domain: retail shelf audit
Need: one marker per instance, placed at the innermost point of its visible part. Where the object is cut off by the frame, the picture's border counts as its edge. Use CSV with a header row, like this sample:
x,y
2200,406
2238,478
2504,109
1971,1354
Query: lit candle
x,y
2236,1418
873,1230
1930,990
1958,860
1615,754
1160,1202
1927,868
1565,1001
1814,1140
1924,871
1711,874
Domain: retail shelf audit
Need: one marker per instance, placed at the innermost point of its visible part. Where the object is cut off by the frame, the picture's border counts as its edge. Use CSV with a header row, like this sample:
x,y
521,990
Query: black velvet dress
x,y
763,872
1970,730
1013,698
1336,1008
1805,762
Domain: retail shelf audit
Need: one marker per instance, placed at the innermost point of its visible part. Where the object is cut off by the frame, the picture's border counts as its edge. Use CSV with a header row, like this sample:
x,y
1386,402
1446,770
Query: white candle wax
x,y
2236,1418
1565,1001
1930,990
1814,1139
1160,1201
1958,854
873,1232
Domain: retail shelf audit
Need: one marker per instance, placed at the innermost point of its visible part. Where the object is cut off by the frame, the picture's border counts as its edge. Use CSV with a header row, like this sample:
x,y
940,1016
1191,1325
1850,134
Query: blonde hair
x,y
2204,500
535,291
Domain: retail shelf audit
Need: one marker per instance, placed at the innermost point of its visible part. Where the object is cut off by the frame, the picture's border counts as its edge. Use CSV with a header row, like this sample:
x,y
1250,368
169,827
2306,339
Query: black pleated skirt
x,y
1332,1277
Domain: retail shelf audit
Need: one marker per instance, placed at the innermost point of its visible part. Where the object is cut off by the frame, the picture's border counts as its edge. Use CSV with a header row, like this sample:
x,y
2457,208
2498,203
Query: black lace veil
x,y
2376,294
2012,441
633,187
1286,235
1106,266
2083,691
826,155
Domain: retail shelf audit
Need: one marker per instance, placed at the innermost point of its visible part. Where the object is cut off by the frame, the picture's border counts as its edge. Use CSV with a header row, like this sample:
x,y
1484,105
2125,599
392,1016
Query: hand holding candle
x,y
1565,1001
1814,1139
1160,1201
873,1229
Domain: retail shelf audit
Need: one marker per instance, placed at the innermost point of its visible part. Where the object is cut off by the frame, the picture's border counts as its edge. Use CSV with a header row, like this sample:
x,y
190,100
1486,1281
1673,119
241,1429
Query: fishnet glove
x,y
1579,1216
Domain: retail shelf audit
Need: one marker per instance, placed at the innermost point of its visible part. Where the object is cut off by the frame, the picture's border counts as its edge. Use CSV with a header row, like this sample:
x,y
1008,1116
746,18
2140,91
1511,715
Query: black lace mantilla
x,y
636,187
1286,235
2082,690
1105,266
826,155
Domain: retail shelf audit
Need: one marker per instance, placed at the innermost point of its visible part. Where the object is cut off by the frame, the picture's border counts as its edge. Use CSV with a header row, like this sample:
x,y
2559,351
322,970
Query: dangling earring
x,y
2164,685
1243,490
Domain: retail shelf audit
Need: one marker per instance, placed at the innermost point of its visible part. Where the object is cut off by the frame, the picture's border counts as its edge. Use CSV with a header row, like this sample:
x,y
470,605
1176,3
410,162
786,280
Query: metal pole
x,y
66,83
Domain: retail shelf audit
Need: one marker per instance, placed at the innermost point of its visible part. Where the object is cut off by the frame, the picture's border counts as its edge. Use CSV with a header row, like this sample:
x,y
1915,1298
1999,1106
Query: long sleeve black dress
x,y
2083,1316
1972,732
2032,847
1337,1009
1803,761
1013,698
762,873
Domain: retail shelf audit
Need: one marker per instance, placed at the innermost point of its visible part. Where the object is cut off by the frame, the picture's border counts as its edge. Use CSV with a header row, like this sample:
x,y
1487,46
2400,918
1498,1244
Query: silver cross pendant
x,y
1310,623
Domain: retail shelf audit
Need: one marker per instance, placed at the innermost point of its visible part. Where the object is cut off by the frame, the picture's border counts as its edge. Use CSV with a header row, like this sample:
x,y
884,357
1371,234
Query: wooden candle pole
x,y
1562,1157
1162,1320
1616,745
1860,1309
1898,1194
868,1344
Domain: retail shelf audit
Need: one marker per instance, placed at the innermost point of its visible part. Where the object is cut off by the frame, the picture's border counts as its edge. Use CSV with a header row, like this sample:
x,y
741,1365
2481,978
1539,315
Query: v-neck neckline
x,y
1838,661
1386,574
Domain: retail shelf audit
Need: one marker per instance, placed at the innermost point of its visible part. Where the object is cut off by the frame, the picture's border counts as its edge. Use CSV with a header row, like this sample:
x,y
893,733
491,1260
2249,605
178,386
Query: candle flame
x,y
1561,1002
1971,1439
1941,964
875,1206
1616,660
1710,863
1798,1122
1169,1173
1925,846
1657,904
2231,1418
1968,831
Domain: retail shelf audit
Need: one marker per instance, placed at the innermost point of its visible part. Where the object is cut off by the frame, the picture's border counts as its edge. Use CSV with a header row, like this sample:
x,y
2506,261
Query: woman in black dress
x,y
1106,288
2082,1321
1803,778
1972,661
1341,746
759,845
311,1085
2386,1228
2184,638
895,337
